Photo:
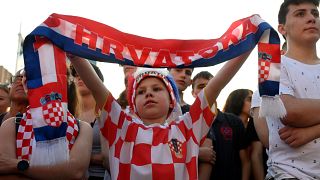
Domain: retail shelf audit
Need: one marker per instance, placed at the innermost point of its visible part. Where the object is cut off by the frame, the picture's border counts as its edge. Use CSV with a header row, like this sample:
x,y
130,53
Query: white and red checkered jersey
x,y
169,151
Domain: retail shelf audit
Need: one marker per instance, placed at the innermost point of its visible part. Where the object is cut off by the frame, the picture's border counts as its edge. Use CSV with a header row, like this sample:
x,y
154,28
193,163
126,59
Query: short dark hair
x,y
202,74
286,3
284,46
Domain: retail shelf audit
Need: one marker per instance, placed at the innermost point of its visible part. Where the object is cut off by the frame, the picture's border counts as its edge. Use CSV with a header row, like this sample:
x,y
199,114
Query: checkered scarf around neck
x,y
166,78
95,41
47,129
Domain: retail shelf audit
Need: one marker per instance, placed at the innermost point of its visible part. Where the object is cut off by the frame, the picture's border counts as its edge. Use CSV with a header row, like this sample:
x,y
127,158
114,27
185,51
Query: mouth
x,y
149,102
181,82
312,29
20,90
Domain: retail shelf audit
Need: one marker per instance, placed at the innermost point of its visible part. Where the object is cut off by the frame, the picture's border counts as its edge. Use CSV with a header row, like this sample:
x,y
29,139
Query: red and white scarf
x,y
47,124
25,134
44,50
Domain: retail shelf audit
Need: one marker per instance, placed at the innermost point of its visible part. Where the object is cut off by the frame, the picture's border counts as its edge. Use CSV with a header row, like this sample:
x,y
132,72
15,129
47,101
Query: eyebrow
x,y
152,85
202,84
303,10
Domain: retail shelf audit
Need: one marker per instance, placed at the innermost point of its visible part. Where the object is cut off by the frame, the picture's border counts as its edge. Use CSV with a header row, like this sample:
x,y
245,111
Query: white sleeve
x,y
286,85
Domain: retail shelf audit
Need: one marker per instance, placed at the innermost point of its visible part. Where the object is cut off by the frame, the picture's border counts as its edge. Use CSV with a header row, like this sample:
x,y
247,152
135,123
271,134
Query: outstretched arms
x,y
225,74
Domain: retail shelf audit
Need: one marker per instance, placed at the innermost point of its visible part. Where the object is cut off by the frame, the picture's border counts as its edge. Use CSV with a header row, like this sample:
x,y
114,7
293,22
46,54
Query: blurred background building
x,y
5,75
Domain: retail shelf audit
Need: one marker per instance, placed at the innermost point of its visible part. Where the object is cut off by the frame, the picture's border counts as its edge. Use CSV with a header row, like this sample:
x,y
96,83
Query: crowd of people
x,y
150,132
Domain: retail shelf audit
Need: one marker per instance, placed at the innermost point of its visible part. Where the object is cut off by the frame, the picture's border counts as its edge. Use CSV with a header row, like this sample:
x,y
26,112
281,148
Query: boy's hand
x,y
295,137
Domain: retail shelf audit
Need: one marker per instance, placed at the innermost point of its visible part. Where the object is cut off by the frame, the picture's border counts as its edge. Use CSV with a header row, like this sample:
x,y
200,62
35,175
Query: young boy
x,y
143,145
293,141
182,77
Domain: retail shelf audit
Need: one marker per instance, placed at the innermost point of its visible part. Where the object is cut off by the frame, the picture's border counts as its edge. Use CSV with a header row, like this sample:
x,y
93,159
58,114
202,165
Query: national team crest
x,y
176,147
53,113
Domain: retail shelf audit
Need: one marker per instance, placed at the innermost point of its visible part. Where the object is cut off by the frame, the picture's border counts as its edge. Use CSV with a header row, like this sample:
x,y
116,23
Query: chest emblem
x,y
176,147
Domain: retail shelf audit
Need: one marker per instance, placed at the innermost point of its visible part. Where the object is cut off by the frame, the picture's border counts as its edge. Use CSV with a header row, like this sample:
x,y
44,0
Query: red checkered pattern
x,y
155,151
53,113
72,129
25,137
264,69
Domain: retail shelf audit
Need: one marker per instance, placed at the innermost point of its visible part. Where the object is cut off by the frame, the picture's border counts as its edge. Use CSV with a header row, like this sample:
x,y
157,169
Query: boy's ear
x,y
282,29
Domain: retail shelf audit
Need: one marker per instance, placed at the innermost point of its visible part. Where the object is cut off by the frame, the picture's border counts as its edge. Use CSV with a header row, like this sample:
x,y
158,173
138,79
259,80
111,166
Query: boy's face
x,y
128,71
152,100
302,24
182,77
199,84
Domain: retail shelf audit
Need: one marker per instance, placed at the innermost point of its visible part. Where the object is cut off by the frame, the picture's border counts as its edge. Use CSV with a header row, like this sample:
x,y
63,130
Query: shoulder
x,y
232,119
8,139
9,123
287,60
84,126
2,115
288,63
9,126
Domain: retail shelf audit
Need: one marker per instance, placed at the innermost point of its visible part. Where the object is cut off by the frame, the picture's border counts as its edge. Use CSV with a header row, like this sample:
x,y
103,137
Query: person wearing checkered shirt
x,y
142,145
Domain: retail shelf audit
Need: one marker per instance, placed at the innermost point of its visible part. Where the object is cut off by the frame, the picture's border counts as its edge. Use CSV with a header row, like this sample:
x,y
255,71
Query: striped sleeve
x,y
199,119
112,118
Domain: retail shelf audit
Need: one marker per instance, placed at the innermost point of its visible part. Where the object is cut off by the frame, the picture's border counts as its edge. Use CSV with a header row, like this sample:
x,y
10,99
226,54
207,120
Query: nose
x,y
149,93
184,73
311,18
19,79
